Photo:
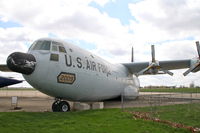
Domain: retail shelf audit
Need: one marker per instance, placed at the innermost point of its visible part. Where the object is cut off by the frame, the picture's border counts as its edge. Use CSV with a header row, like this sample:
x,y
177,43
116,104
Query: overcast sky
x,y
107,28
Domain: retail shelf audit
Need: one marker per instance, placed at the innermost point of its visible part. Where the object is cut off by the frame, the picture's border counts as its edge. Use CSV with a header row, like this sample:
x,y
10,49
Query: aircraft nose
x,y
21,62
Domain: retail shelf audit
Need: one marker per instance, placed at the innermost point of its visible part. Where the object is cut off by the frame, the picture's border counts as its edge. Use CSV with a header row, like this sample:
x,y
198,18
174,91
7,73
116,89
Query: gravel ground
x,y
35,101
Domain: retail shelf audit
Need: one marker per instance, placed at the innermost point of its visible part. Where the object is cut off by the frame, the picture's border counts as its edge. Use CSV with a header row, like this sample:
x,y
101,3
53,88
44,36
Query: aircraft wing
x,y
8,81
4,81
137,67
163,67
5,68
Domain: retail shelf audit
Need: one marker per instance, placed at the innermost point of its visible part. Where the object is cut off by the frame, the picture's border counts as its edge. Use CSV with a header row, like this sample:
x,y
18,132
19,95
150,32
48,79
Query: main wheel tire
x,y
55,106
64,106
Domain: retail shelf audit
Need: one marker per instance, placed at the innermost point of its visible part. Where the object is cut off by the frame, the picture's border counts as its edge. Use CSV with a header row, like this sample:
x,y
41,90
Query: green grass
x,y
187,114
93,121
186,90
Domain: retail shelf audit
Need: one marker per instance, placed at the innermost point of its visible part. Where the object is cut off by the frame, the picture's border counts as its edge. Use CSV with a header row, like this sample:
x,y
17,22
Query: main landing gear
x,y
60,106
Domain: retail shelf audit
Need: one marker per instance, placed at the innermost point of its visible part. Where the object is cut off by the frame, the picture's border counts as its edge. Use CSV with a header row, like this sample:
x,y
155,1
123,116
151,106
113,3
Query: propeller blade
x,y
132,55
167,72
153,53
191,69
144,70
198,48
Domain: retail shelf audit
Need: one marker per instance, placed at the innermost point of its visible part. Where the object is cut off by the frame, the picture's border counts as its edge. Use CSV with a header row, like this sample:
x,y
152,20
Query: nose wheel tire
x,y
60,106
64,106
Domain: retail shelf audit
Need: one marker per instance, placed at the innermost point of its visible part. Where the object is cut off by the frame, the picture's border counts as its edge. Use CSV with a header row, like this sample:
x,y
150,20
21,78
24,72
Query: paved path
x,y
35,101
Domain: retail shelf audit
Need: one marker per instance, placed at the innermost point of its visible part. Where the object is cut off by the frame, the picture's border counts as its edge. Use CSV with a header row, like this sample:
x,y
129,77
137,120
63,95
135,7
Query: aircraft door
x,y
57,59
62,54
54,63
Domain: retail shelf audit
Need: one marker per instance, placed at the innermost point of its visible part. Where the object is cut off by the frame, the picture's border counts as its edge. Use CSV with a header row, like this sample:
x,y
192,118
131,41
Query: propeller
x,y
153,53
197,64
154,66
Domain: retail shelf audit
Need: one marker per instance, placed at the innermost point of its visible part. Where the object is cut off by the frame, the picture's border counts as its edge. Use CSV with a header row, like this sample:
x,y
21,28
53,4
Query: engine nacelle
x,y
131,92
153,71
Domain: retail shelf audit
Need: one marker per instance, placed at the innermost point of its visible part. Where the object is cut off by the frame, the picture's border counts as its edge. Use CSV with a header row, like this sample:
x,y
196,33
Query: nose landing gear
x,y
60,106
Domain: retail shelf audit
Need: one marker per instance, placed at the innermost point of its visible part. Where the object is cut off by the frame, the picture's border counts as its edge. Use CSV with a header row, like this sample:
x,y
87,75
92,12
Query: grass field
x,y
186,90
98,121
187,114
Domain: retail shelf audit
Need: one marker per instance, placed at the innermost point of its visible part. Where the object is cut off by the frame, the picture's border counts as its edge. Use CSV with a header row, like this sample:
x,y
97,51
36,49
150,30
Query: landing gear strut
x,y
60,106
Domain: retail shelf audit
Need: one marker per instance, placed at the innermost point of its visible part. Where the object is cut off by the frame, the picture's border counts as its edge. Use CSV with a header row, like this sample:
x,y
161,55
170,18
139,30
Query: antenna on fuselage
x,y
132,55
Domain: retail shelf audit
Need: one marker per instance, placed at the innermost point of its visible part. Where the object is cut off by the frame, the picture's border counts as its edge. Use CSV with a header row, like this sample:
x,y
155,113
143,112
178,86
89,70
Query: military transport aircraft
x,y
67,72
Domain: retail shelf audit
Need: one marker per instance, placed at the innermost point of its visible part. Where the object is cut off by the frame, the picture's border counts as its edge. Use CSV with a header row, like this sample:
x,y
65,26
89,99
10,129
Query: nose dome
x,y
21,62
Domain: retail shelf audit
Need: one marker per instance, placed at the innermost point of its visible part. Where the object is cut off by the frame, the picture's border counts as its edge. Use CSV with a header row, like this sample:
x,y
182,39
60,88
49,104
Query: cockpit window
x,y
42,45
62,49
54,48
56,43
58,46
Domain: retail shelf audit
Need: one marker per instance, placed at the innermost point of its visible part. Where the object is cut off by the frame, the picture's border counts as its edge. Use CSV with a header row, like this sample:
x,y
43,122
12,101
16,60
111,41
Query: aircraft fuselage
x,y
68,72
